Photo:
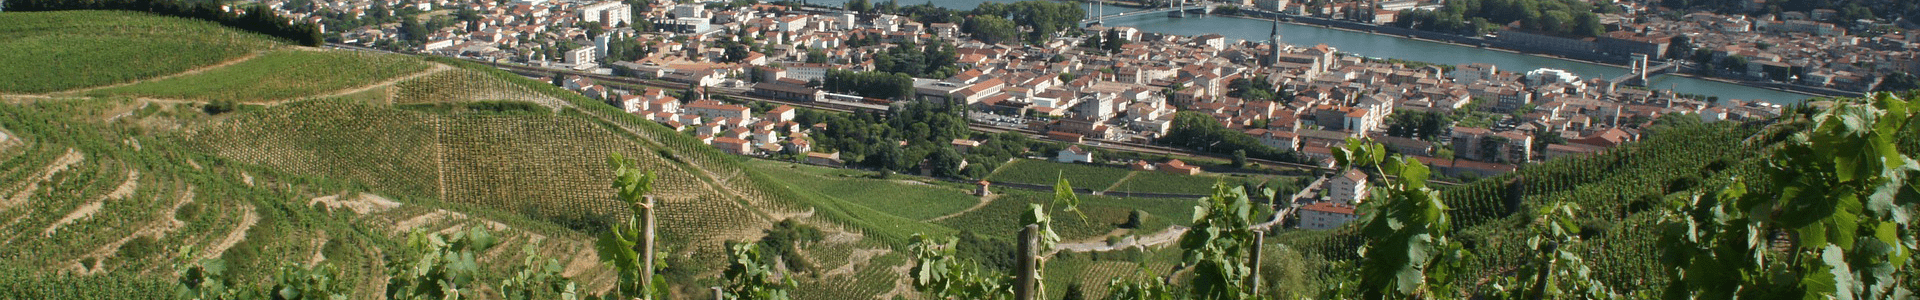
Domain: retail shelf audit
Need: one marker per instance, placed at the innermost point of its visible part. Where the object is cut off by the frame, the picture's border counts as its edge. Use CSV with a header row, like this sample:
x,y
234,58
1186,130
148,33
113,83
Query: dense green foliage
x,y
991,22
748,278
54,51
1204,133
1419,124
872,84
1557,17
255,18
1258,88
934,60
1843,194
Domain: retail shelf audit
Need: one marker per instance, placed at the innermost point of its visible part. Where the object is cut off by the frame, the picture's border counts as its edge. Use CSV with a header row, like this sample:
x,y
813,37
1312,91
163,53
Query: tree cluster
x,y
1557,17
256,18
934,60
873,84
1111,41
1258,88
1204,133
1419,124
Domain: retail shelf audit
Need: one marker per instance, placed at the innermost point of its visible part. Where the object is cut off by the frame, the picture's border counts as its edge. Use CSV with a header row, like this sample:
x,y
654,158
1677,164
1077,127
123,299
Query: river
x,y
1382,46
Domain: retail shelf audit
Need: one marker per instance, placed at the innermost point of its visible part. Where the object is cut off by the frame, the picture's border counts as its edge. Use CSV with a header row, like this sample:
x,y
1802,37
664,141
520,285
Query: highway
x,y
830,106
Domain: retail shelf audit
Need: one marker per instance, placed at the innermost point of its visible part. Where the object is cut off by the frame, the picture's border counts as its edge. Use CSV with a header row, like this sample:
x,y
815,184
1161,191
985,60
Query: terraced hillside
x,y
266,152
113,181
128,173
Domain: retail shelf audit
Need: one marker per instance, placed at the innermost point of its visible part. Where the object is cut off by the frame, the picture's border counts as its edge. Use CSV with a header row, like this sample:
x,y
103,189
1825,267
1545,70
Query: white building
x,y
1324,215
1349,188
1544,76
690,11
581,58
610,13
1073,154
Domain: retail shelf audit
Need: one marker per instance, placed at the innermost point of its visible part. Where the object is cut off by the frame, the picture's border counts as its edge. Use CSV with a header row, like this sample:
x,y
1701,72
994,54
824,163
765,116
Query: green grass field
x,y
279,75
1047,173
56,51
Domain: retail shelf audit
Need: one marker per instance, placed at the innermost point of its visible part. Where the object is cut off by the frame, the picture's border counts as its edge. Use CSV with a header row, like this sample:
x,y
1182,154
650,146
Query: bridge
x,y
1641,69
1179,9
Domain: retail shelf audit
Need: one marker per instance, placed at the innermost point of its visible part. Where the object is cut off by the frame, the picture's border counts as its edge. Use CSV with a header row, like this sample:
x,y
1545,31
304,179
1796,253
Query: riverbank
x,y
1485,45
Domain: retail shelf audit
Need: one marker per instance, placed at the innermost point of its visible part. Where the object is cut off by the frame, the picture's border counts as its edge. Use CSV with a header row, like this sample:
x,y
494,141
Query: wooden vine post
x,y
1023,284
646,245
1253,261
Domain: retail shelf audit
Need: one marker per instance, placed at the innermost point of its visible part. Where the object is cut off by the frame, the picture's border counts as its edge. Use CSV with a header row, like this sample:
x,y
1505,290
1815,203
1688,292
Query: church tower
x,y
1273,45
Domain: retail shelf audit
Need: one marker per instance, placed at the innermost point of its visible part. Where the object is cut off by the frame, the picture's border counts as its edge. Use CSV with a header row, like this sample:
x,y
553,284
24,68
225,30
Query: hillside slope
x,y
126,173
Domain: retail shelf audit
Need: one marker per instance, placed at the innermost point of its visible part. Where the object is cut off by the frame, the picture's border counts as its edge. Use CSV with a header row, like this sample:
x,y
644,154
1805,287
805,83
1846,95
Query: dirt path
x,y
360,204
407,225
436,68
1169,235
196,70
238,234
319,249
903,286
984,201
1116,184
87,210
33,183
158,230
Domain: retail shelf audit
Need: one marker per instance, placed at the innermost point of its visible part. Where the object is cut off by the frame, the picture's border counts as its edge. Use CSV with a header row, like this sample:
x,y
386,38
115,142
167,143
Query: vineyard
x,y
335,158
57,51
291,74
1166,183
1047,172
907,199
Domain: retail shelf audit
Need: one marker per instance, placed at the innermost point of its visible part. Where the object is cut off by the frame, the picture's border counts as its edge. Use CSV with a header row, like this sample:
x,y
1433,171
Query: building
x,y
581,58
1349,188
824,159
788,89
1073,154
715,109
1324,215
733,145
609,13
1178,167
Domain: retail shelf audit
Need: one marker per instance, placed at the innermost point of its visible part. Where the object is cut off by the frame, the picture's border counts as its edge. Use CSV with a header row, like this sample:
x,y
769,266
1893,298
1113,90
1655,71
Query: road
x,y
828,106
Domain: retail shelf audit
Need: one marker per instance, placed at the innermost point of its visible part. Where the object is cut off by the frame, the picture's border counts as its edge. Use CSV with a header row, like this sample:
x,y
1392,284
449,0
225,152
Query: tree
x,y
1240,158
1898,81
992,29
1491,147
946,162
1114,41
1543,137
1680,47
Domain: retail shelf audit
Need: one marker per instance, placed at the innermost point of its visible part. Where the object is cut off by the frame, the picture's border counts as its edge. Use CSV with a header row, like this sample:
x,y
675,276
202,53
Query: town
x,y
1092,86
